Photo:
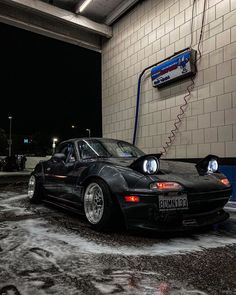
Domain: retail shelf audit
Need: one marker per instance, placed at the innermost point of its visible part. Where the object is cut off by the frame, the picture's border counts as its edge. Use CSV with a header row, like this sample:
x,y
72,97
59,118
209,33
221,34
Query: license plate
x,y
168,203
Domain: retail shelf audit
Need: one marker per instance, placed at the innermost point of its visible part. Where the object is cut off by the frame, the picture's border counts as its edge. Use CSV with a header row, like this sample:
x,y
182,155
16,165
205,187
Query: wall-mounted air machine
x,y
178,66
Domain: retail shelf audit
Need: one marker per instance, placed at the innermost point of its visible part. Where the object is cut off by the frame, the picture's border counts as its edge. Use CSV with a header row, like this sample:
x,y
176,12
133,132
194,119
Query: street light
x,y
54,140
74,130
89,131
10,140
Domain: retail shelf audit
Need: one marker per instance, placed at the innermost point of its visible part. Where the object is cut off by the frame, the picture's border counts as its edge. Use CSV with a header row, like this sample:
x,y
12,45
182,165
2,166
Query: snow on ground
x,y
38,231
40,255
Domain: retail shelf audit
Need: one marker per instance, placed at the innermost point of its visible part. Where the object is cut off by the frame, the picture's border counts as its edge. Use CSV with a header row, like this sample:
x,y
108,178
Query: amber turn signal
x,y
225,181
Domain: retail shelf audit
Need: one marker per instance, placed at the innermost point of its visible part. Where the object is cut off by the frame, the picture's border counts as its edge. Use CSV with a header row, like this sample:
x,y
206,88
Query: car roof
x,y
89,138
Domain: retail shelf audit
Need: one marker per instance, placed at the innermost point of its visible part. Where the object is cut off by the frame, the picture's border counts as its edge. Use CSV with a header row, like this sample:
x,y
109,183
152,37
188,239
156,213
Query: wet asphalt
x,y
44,250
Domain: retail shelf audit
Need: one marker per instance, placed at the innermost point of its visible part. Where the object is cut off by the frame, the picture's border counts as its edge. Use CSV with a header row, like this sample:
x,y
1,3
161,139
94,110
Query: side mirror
x,y
59,157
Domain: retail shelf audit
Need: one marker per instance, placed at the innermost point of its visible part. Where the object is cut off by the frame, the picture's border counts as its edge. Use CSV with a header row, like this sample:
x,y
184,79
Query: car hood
x,y
166,166
176,167
181,172
187,175
124,162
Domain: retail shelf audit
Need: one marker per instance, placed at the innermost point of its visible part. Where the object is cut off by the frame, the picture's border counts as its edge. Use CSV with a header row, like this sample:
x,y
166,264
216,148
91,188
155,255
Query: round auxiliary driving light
x,y
212,166
150,165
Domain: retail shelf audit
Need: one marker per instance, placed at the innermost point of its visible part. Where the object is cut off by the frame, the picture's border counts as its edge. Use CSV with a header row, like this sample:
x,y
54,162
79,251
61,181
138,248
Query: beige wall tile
x,y
230,51
204,149
216,57
230,20
179,19
230,116
198,136
223,39
222,8
218,148
217,87
225,133
186,137
192,149
154,31
184,4
224,70
210,135
230,84
204,121
217,118
192,123
210,104
197,107
233,4
181,151
234,132
231,149
209,75
224,101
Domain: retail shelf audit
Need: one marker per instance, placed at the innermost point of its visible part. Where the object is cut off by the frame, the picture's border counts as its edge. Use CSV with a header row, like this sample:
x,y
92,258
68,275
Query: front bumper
x,y
204,209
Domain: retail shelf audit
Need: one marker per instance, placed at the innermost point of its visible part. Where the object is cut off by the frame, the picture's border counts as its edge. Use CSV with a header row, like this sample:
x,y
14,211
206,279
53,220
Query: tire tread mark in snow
x,y
9,290
41,252
24,217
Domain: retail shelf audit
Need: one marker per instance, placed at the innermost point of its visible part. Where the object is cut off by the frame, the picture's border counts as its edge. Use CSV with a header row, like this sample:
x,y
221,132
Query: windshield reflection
x,y
105,148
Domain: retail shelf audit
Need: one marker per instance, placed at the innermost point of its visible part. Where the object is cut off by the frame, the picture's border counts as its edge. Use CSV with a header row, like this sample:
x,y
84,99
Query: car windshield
x,y
92,148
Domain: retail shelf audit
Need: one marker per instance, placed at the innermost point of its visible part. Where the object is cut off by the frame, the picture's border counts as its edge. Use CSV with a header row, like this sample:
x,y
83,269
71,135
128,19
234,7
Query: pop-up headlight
x,y
150,165
147,164
209,164
212,166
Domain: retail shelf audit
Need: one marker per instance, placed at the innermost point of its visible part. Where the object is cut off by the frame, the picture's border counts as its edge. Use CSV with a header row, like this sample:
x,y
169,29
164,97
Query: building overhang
x,y
65,24
51,21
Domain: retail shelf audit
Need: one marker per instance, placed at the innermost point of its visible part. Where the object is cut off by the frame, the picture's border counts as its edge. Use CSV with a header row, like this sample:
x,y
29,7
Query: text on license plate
x,y
167,203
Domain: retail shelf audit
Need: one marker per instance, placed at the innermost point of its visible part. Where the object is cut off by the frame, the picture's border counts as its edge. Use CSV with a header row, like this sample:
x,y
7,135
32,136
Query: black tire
x,y
108,216
35,190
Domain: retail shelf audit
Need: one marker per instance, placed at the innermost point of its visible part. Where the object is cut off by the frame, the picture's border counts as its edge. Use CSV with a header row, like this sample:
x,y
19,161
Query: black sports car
x,y
111,181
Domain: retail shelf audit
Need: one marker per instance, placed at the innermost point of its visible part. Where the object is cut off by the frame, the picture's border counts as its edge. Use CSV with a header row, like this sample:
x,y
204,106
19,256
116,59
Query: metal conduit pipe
x,y
139,91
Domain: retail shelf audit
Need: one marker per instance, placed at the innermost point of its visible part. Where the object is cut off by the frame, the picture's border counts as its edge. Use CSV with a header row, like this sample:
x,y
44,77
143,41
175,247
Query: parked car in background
x,y
2,162
13,163
111,181
21,160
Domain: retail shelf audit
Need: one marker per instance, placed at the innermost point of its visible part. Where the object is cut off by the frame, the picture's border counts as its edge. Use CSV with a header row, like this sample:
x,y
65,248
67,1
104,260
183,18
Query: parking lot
x,y
46,251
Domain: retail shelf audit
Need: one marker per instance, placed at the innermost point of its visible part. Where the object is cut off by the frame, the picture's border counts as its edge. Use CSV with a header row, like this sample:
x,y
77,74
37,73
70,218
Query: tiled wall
x,y
152,31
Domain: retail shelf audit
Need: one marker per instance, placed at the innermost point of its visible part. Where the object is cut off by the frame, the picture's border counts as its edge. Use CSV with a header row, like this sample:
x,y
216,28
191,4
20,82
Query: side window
x,y
61,149
71,157
85,151
69,151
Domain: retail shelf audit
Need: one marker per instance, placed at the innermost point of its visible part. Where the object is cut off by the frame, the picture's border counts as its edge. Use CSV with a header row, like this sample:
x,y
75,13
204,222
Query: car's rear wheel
x,y
35,192
98,205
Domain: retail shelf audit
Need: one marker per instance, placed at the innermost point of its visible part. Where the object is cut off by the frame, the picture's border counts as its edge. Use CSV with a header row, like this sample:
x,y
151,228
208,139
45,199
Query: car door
x,y
75,164
68,175
56,172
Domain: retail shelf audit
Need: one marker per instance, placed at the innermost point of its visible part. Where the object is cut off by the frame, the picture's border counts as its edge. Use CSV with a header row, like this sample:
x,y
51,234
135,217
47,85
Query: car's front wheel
x,y
98,205
35,192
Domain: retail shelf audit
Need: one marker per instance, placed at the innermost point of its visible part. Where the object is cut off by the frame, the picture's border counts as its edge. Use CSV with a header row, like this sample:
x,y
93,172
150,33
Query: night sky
x,y
48,85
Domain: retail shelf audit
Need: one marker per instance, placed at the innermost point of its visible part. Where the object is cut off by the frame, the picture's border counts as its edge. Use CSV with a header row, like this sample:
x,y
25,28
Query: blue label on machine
x,y
174,68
